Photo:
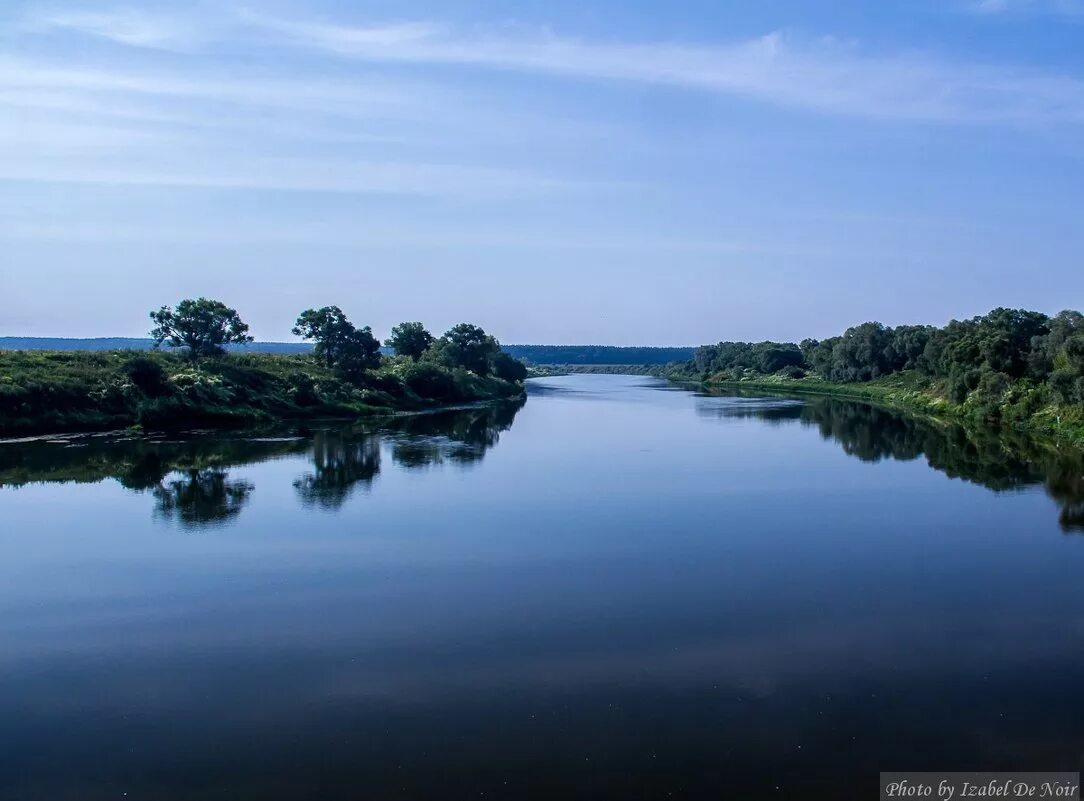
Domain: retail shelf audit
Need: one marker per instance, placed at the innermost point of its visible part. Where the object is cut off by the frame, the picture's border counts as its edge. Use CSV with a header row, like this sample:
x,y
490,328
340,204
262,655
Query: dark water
x,y
619,590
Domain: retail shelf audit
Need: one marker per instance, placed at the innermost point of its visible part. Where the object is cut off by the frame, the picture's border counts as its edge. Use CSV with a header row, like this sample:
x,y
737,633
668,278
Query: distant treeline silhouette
x,y
596,354
136,343
532,354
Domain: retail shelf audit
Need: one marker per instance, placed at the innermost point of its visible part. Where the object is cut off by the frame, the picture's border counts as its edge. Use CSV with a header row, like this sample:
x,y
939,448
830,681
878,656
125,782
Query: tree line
x,y
204,327
983,357
597,354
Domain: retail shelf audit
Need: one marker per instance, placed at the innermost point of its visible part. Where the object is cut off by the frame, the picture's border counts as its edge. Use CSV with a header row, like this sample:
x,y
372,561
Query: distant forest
x,y
532,354
1009,363
135,343
596,354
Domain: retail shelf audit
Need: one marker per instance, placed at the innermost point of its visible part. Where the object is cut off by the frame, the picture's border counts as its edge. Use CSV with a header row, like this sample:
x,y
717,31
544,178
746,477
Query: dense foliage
x,y
1008,365
409,339
343,347
200,385
764,357
203,327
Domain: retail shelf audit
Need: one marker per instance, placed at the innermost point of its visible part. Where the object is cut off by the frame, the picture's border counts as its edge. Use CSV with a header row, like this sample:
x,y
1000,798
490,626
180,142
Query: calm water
x,y
618,590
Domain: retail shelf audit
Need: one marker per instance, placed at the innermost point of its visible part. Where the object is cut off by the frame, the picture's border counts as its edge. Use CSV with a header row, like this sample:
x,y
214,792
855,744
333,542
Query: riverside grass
x,y
910,392
64,391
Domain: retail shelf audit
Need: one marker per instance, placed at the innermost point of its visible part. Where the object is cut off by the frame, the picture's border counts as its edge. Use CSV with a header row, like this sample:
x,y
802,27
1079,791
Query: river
x,y
619,589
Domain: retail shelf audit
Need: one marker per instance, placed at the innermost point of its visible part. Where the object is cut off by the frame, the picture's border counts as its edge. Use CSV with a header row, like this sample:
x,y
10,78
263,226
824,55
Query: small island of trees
x,y
192,379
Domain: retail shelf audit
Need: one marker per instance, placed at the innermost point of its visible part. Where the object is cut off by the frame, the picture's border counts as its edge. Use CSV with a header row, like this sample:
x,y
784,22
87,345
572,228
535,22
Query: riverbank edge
x,y
45,393
263,422
913,401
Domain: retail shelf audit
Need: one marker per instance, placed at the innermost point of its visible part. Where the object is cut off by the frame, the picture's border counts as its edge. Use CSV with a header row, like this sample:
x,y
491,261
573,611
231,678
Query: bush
x,y
147,375
431,381
792,371
509,369
961,383
303,389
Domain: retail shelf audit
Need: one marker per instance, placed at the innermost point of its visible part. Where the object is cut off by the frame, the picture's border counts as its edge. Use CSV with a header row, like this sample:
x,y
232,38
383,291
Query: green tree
x,y
349,350
360,352
1046,348
468,346
410,339
202,326
509,368
329,329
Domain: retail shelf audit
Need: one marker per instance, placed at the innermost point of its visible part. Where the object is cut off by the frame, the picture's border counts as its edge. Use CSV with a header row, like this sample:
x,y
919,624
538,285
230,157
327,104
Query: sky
x,y
567,171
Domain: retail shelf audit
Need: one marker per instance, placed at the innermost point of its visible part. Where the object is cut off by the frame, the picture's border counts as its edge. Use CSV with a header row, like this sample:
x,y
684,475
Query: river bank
x,y
54,392
908,392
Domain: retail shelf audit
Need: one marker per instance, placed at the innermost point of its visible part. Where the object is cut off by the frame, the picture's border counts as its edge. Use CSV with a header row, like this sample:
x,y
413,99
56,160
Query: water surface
x,y
620,589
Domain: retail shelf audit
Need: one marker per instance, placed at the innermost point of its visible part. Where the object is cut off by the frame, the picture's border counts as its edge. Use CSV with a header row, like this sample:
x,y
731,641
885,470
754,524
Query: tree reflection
x,y
461,437
137,463
341,461
201,498
998,460
189,477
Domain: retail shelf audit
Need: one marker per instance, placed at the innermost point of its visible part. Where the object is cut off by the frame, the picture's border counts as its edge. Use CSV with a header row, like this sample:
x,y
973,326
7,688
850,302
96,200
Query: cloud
x,y
275,91
223,129
236,171
1056,8
819,75
126,26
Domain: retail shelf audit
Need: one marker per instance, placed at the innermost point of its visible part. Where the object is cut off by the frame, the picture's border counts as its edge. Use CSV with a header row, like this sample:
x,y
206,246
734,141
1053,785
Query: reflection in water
x,y
460,437
997,460
340,462
345,458
191,484
201,498
138,463
190,478
627,602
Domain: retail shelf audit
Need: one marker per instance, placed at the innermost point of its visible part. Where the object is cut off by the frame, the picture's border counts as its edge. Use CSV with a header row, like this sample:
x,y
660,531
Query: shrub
x,y
508,368
147,375
303,389
431,381
792,371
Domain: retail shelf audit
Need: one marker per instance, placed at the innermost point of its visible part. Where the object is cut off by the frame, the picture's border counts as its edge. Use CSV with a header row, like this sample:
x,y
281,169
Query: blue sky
x,y
560,172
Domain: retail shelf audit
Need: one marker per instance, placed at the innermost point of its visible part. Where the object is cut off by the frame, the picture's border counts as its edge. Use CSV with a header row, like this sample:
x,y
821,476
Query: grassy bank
x,y
1020,408
49,391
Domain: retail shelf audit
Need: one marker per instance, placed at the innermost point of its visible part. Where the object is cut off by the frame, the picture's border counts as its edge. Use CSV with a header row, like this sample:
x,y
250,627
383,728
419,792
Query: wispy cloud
x,y
218,128
274,91
823,75
237,171
1056,8
128,26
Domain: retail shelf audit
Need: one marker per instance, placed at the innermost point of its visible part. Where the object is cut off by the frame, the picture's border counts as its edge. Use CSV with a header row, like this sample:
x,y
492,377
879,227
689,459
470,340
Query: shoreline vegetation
x,y
1008,369
198,384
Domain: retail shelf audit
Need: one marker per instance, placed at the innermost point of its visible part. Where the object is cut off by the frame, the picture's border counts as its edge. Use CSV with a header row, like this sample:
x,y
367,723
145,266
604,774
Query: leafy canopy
x,y
202,326
342,346
410,339
468,346
328,328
